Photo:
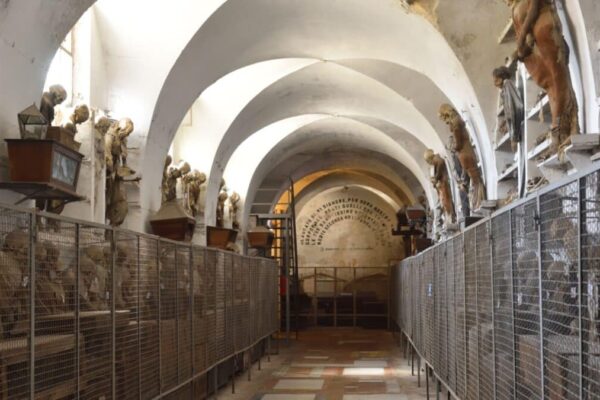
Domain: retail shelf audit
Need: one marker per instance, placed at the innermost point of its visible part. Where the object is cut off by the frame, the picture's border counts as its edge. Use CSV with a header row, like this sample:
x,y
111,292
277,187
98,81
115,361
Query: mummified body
x,y
544,52
465,153
441,182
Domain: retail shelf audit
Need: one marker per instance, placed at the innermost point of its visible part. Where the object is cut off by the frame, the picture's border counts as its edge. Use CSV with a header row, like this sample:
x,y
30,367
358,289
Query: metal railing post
x,y
540,293
512,300
491,249
77,309
32,283
139,319
113,313
583,350
159,306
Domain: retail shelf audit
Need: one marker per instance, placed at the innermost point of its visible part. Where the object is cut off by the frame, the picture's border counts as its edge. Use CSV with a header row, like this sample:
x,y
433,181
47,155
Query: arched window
x,y
61,68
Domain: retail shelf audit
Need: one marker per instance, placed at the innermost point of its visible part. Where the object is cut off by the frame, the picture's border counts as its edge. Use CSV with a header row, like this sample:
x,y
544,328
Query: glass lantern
x,y
32,124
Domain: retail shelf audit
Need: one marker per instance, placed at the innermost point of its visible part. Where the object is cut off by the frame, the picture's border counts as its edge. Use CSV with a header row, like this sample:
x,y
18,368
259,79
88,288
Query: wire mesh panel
x,y
148,311
15,297
199,294
461,317
419,303
503,310
451,315
484,312
220,306
443,309
428,303
526,301
56,257
210,284
229,311
559,217
168,317
344,297
127,303
93,300
590,275
184,313
472,328
240,304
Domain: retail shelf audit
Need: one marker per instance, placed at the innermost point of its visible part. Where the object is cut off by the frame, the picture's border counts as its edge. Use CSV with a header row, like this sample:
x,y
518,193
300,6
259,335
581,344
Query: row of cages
x,y
342,296
92,312
509,309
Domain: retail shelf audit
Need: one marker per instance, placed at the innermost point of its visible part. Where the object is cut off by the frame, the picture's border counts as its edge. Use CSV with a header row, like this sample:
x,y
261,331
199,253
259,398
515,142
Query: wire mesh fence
x,y
509,309
91,312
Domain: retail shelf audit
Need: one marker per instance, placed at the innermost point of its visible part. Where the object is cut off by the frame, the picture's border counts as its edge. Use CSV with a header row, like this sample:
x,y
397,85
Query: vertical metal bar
x,y
477,318
192,326
315,297
390,295
216,380
32,283
427,380
160,354
287,282
335,283
491,249
205,316
412,361
177,312
77,308
447,358
418,371
113,314
354,298
139,324
464,281
541,294
512,300
583,351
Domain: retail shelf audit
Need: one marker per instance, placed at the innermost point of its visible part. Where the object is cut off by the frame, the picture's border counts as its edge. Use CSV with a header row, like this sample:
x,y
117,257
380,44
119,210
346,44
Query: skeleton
x,y
234,201
51,296
54,96
514,109
14,281
441,182
543,50
221,208
465,153
170,177
80,115
117,171
192,187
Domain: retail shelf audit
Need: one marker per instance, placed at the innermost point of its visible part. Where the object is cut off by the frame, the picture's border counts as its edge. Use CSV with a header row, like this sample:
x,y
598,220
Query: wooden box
x,y
63,136
220,237
260,239
173,222
180,229
43,161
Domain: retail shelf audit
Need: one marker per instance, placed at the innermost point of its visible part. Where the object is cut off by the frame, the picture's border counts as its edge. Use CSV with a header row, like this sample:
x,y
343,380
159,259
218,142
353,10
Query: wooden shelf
x,y
509,173
542,105
508,34
504,143
500,112
44,191
537,150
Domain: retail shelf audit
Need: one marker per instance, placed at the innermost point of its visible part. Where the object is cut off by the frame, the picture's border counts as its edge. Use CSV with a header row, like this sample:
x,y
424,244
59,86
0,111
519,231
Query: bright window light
x,y
364,371
61,69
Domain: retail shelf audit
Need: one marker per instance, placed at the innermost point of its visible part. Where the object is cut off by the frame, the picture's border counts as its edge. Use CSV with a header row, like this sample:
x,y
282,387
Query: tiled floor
x,y
332,364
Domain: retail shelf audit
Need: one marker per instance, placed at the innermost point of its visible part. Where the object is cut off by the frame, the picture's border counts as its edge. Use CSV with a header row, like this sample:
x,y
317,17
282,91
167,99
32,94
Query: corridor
x,y
332,364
